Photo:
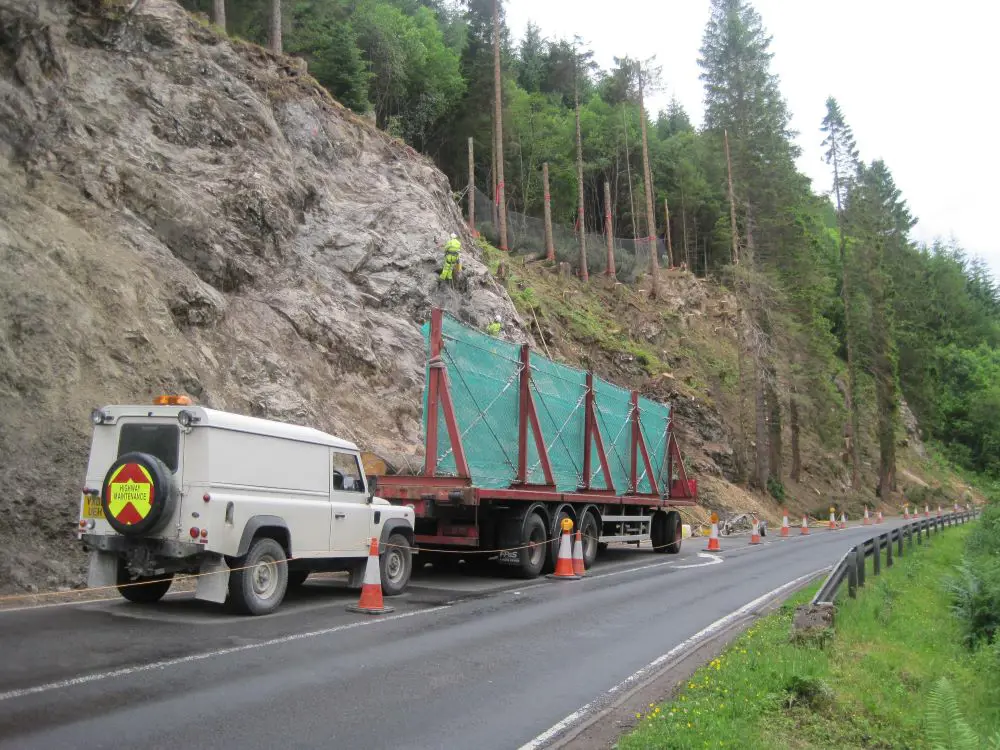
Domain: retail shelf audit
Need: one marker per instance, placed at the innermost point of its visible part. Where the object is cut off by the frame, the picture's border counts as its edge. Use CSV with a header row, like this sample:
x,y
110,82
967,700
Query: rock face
x,y
185,214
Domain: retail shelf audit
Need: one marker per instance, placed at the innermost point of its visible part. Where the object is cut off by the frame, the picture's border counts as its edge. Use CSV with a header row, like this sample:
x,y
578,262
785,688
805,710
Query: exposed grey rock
x,y
185,213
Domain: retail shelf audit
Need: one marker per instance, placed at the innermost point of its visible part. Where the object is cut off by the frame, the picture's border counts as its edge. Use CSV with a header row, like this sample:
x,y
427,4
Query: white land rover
x,y
253,505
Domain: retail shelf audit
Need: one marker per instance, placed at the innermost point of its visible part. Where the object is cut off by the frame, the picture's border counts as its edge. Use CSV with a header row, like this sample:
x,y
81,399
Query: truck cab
x,y
252,506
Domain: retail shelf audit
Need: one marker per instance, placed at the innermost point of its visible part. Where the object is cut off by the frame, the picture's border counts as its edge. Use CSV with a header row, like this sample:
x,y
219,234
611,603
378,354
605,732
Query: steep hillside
x,y
186,214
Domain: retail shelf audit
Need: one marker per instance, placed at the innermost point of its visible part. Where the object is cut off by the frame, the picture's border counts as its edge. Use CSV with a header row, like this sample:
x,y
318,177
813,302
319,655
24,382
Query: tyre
x,y
297,577
658,532
395,565
763,528
675,533
591,531
144,589
531,559
260,580
136,495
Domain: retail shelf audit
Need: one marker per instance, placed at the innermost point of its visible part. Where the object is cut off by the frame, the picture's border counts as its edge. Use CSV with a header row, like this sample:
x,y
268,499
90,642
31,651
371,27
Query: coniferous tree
x,y
842,155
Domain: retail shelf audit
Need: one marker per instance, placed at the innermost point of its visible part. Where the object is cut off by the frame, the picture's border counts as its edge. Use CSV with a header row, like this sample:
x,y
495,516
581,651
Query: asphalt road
x,y
464,662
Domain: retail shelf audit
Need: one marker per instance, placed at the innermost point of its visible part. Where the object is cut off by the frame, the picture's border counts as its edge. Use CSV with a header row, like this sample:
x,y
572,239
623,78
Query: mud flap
x,y
103,569
356,575
213,580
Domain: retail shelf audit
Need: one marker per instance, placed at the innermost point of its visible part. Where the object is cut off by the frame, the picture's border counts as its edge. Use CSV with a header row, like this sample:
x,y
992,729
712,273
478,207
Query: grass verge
x,y
868,687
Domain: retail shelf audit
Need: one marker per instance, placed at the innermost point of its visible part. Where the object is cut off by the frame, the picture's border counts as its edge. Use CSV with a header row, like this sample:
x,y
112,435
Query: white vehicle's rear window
x,y
160,440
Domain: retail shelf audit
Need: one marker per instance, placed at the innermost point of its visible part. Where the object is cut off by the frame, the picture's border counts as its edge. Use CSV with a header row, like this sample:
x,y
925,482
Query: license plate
x,y
92,507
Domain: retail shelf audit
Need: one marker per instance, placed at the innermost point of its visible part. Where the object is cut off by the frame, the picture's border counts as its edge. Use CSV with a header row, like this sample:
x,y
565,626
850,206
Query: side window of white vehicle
x,y
347,473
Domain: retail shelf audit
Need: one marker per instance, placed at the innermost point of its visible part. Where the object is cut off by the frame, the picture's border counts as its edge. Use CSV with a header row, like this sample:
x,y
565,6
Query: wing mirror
x,y
372,486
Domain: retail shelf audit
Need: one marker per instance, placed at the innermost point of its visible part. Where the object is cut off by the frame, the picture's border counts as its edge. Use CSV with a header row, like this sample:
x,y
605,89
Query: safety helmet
x,y
454,236
497,318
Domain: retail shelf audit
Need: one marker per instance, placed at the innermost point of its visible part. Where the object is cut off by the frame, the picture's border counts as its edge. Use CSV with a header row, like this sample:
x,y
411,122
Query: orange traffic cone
x,y
833,520
564,562
939,511
867,521
371,589
578,566
755,533
805,526
843,520
785,530
713,539
906,513
927,511
879,519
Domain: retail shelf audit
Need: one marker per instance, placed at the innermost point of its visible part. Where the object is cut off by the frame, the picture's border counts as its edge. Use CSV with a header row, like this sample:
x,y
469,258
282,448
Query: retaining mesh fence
x,y
484,378
526,235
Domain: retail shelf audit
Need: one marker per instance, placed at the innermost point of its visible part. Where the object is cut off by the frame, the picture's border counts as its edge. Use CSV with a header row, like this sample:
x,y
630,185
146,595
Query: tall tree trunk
x,y
666,234
758,357
275,38
853,408
494,197
498,123
219,13
743,453
550,248
608,231
684,234
472,186
774,441
647,175
793,419
581,228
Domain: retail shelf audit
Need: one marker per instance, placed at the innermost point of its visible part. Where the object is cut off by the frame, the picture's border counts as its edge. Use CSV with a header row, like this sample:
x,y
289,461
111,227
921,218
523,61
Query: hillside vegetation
x,y
188,211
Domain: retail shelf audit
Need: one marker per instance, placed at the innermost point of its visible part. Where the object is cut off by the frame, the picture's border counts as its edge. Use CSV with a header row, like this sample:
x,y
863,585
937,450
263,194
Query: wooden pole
x,y
610,270
666,231
654,265
550,248
498,121
684,234
472,187
584,276
493,184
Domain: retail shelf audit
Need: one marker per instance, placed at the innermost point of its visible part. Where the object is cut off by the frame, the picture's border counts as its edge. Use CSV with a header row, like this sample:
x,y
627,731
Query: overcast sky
x,y
916,81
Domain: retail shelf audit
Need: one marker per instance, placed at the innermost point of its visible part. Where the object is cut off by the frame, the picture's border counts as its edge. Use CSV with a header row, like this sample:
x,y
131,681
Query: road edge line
x,y
586,715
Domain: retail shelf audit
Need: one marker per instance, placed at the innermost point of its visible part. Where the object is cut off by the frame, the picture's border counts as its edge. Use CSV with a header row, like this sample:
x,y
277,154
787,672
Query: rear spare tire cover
x,y
136,493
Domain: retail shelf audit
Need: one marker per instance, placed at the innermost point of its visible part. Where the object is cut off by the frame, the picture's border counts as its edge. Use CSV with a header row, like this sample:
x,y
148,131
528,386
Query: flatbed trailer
x,y
515,443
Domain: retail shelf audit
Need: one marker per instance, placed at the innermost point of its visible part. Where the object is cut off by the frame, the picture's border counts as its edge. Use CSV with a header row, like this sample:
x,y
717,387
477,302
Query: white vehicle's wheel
x,y
396,565
261,579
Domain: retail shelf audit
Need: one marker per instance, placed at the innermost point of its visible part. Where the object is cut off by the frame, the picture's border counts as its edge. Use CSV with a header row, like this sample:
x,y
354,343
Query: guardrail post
x,y
920,536
852,574
859,560
877,555
909,536
888,550
899,542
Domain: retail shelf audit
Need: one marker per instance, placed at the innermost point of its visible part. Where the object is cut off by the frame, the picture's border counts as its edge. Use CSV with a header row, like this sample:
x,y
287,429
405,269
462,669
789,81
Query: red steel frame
x,y
421,491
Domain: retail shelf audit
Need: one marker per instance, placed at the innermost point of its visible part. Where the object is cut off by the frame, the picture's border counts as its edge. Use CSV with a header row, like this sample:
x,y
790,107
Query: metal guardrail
x,y
851,567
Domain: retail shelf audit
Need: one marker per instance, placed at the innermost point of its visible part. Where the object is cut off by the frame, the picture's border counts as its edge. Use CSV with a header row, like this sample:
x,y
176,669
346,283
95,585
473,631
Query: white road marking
x,y
125,671
641,675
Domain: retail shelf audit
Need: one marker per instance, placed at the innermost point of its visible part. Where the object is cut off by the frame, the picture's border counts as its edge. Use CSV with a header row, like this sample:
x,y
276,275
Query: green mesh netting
x,y
483,373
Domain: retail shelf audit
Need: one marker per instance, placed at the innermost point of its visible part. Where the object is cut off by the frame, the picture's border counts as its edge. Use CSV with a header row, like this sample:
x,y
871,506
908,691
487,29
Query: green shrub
x,y
776,488
975,592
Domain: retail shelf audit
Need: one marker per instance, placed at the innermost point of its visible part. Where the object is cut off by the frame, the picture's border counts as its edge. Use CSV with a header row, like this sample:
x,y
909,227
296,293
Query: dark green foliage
x,y
928,318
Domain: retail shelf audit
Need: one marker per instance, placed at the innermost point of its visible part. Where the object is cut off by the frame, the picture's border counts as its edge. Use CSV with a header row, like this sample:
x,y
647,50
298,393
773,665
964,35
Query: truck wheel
x,y
658,532
591,531
260,585
152,589
297,577
395,565
674,533
531,559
